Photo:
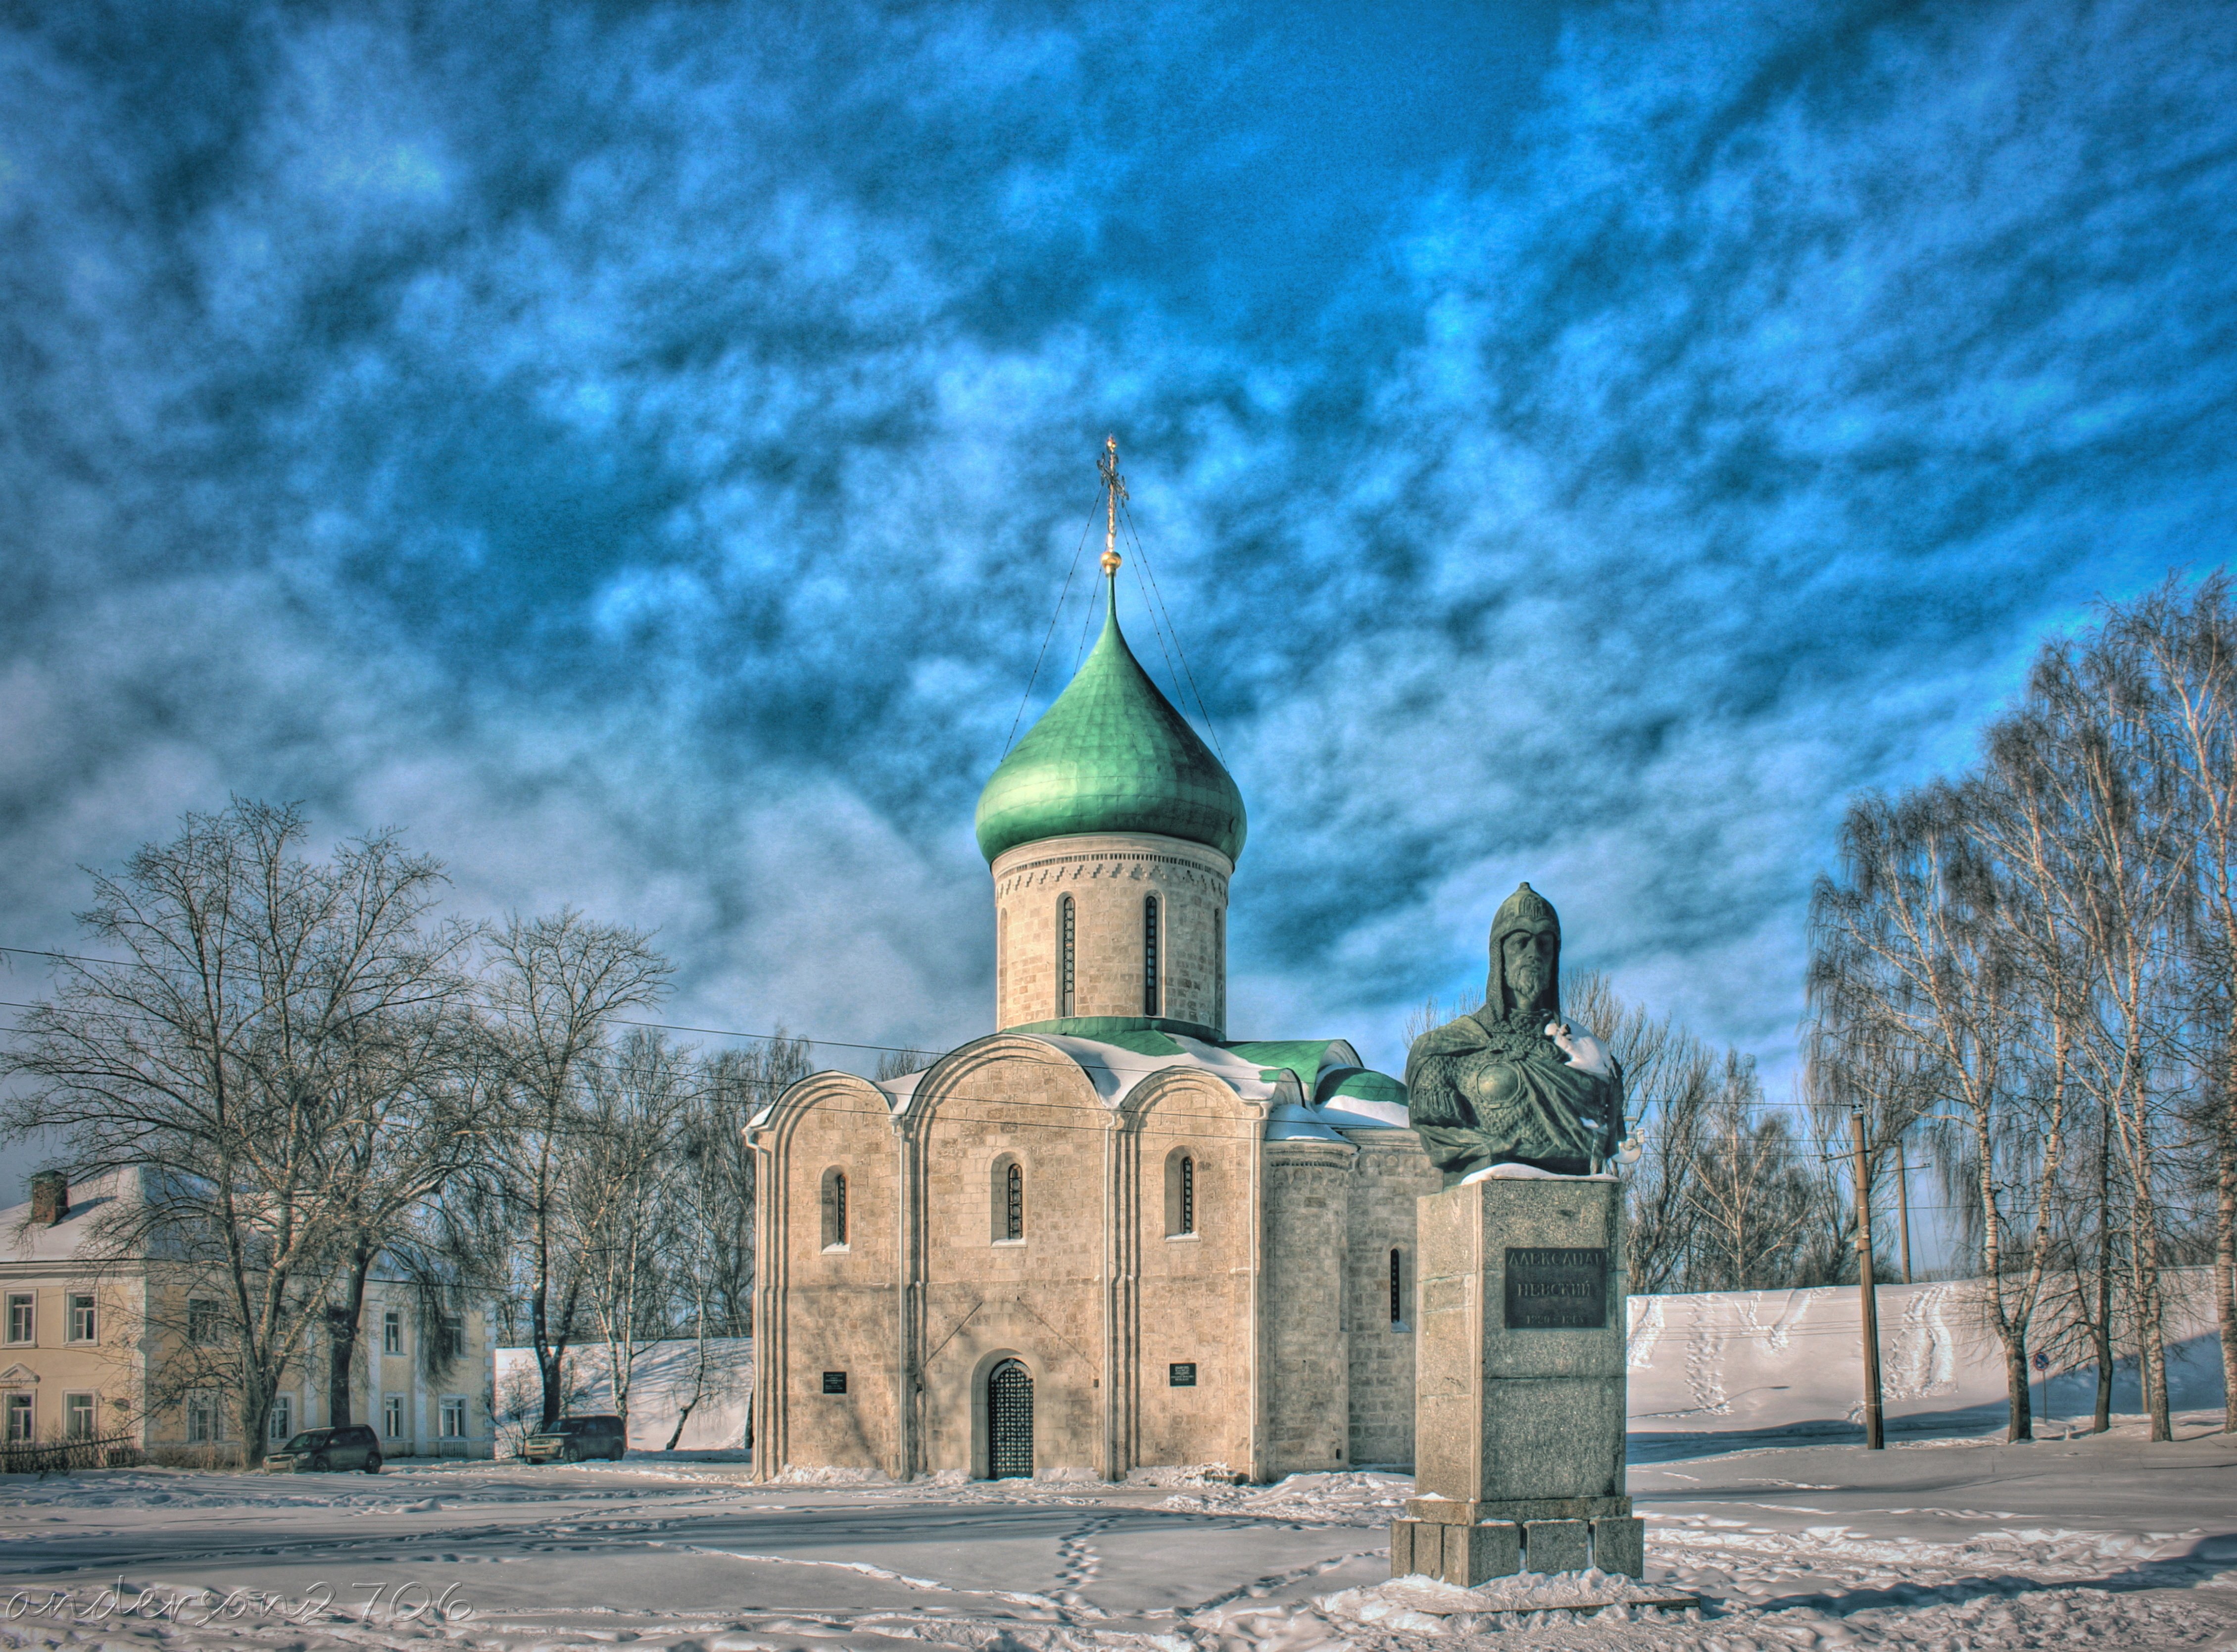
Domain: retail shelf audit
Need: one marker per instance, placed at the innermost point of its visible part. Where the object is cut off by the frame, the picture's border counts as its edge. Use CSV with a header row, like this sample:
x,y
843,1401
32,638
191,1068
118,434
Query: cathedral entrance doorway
x,y
1010,1422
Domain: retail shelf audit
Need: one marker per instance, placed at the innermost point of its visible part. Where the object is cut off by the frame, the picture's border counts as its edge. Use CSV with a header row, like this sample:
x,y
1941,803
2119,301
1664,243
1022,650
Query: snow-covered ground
x,y
1758,1501
1947,1545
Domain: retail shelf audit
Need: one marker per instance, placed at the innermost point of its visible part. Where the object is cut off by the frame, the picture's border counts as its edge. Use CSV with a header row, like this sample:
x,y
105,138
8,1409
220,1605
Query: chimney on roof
x,y
50,1197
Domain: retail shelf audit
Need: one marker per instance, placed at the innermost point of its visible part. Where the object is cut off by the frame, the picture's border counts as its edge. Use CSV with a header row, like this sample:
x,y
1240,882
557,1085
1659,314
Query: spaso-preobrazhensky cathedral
x,y
1106,1236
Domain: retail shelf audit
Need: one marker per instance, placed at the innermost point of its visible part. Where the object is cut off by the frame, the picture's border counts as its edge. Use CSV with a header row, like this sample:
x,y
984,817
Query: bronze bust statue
x,y
1513,1083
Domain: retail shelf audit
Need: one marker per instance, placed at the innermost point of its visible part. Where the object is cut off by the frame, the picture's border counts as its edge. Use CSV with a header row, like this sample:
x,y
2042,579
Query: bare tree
x,y
617,1199
420,1109
1669,1082
2130,854
1757,1201
2186,645
1915,1004
214,1066
713,1190
555,987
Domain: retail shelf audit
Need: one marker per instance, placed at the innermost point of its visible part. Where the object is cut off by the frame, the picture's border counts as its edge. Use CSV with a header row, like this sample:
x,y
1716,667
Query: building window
x,y
1067,937
23,1317
282,1419
19,1419
84,1322
392,1417
454,1419
392,1331
1180,1193
201,1418
203,1319
77,1417
1397,1288
453,1332
1150,955
1014,1202
834,1210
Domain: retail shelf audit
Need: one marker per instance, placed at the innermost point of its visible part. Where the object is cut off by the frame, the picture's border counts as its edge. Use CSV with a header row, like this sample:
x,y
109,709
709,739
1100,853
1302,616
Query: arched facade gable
x,y
824,1308
1174,1087
948,1084
1009,1103
1193,1301
773,1122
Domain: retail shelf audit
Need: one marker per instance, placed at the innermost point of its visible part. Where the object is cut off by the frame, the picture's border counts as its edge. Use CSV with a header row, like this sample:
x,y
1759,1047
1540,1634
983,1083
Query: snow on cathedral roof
x,y
1312,1087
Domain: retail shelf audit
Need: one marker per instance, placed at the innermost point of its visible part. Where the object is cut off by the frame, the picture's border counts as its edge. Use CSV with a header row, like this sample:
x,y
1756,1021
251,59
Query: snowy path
x,y
2104,1542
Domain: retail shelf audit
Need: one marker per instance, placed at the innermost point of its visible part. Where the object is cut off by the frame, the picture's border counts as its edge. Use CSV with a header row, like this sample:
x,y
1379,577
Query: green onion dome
x,y
1111,756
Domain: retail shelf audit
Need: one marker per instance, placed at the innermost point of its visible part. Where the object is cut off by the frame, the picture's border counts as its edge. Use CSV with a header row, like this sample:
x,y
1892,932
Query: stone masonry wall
x,y
1308,1377
1194,1305
840,1300
988,1298
1387,1179
1108,876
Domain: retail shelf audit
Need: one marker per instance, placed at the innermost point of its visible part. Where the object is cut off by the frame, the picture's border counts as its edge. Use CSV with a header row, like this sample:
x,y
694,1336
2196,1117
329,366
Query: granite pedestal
x,y
1519,1402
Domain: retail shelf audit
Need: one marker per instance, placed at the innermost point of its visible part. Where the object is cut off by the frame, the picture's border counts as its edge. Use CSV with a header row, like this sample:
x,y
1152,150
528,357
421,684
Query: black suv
x,y
572,1439
317,1450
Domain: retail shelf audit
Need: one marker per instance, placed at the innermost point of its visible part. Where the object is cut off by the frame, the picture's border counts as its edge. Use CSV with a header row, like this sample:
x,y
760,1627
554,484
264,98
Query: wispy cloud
x,y
638,450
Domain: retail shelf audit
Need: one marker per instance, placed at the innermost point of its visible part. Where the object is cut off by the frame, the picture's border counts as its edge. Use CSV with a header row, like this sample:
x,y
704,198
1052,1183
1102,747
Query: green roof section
x,y
1144,1034
1359,1084
1111,756
1306,1057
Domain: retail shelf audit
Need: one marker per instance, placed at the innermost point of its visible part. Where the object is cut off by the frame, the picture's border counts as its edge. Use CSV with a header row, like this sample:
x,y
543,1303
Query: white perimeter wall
x,y
663,1375
1743,1360
1723,1362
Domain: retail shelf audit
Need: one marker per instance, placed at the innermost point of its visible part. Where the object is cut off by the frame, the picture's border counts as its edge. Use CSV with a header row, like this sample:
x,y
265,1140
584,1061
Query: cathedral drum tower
x,y
1112,831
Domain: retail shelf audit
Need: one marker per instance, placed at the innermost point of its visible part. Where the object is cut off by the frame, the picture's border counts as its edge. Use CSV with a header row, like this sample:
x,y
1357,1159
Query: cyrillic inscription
x,y
1551,1289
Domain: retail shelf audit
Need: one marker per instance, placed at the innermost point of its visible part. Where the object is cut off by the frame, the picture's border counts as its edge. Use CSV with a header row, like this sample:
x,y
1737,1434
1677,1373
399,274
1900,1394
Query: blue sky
x,y
637,449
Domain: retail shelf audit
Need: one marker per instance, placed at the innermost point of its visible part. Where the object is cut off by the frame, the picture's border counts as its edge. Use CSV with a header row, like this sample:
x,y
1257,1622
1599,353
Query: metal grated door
x,y
1010,1422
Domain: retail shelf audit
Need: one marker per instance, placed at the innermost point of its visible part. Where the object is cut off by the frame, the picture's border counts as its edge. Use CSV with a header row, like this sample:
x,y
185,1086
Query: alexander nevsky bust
x,y
1513,1083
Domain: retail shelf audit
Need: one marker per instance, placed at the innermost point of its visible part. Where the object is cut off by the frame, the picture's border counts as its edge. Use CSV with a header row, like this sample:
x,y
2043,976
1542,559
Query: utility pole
x,y
1875,1437
1903,1198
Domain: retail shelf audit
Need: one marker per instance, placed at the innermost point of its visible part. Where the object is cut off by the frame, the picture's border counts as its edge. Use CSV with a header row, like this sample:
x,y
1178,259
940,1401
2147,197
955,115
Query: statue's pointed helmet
x,y
1524,909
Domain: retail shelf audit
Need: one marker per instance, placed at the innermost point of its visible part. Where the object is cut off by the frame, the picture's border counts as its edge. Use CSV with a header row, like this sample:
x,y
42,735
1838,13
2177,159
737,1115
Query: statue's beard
x,y
1526,980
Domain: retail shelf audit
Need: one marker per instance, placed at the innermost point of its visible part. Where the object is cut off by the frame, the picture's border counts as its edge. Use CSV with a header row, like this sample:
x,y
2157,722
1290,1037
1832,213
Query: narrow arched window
x,y
1067,946
1180,1194
1150,955
1013,1202
834,1208
1219,968
1397,1288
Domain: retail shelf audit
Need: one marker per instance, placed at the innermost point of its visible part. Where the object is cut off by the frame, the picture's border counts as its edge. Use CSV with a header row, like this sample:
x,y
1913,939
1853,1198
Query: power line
x,y
1638,1107
1203,710
1085,529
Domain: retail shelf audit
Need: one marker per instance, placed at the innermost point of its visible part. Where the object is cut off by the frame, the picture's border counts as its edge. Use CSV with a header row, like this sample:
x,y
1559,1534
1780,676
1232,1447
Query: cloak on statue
x,y
1513,1083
